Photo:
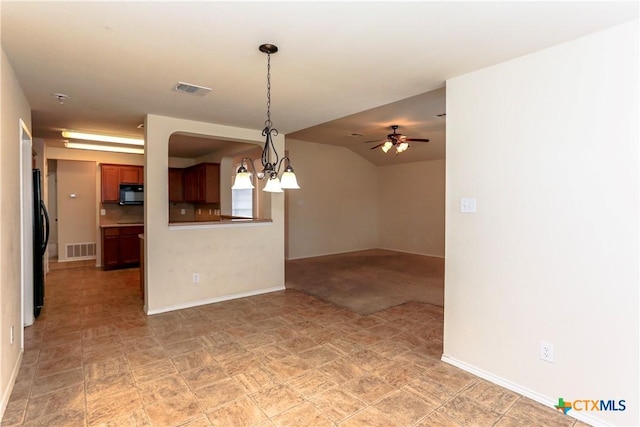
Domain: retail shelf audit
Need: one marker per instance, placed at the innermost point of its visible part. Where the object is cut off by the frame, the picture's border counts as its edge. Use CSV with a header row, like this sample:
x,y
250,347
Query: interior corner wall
x,y
548,145
13,108
232,261
411,206
336,208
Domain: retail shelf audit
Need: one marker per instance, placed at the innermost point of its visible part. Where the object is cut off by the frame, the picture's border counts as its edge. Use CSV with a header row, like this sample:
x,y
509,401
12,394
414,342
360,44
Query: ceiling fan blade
x,y
377,146
417,140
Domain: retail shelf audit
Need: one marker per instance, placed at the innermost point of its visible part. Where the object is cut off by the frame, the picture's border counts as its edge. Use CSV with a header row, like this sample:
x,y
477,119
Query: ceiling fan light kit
x,y
270,167
397,140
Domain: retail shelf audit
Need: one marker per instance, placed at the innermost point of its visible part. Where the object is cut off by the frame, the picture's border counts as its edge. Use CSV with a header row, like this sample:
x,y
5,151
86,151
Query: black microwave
x,y
131,194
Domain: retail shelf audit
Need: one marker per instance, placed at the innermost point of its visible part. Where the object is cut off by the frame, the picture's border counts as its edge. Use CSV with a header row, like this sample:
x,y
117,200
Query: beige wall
x,y
548,145
336,209
411,207
347,203
76,215
14,107
232,261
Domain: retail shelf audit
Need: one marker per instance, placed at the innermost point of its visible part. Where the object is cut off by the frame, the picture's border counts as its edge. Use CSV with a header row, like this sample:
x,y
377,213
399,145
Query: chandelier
x,y
271,162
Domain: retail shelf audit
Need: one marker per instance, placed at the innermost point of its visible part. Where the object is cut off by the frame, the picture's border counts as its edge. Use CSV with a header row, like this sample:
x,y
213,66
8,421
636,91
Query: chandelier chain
x,y
268,122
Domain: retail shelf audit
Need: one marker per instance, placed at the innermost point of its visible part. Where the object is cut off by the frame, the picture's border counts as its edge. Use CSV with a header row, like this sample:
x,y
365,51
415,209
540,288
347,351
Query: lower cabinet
x,y
121,247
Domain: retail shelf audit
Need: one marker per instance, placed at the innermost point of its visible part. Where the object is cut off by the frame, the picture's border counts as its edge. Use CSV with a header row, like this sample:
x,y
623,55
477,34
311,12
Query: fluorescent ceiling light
x,y
98,147
101,138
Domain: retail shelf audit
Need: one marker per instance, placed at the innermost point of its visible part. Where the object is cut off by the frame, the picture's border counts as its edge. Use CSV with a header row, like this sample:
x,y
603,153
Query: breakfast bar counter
x,y
228,221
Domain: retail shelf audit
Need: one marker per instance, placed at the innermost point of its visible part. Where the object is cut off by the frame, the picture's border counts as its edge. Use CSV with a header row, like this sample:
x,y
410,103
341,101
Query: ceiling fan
x,y
397,140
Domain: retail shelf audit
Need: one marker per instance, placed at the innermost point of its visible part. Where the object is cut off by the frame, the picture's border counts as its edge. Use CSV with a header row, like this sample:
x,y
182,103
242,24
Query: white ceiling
x,y
338,61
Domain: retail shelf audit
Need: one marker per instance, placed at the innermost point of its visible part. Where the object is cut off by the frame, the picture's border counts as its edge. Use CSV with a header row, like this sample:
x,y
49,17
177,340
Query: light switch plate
x,y
468,205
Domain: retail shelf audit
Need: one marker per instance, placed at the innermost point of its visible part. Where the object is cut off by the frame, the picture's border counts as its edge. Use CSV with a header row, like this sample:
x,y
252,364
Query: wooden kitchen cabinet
x,y
114,175
110,251
121,247
201,183
131,174
176,188
110,183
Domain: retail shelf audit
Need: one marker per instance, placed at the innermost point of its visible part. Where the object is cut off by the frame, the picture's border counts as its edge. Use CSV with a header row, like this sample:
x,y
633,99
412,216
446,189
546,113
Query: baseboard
x,y
6,393
328,254
198,303
413,253
360,250
544,400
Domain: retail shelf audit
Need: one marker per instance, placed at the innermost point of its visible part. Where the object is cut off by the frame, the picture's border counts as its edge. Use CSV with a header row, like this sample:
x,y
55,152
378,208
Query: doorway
x,y
52,206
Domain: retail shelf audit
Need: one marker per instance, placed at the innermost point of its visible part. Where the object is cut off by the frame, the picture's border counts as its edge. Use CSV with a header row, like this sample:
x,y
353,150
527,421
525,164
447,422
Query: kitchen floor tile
x,y
403,407
240,412
369,388
338,404
277,399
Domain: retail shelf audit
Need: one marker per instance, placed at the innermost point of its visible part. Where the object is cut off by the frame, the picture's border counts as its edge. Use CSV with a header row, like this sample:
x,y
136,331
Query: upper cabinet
x,y
114,175
201,183
176,190
131,174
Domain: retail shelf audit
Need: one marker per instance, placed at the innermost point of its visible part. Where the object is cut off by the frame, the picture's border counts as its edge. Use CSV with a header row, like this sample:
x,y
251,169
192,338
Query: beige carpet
x,y
369,281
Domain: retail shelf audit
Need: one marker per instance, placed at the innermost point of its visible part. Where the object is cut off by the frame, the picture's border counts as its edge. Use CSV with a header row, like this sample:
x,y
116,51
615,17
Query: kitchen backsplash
x,y
188,212
116,214
178,212
210,212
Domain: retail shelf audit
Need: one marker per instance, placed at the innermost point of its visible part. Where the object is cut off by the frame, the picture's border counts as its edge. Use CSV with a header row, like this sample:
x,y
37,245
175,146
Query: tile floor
x,y
281,359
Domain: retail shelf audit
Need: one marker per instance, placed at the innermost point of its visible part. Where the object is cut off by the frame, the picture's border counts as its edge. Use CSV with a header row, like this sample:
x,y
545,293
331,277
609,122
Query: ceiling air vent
x,y
191,89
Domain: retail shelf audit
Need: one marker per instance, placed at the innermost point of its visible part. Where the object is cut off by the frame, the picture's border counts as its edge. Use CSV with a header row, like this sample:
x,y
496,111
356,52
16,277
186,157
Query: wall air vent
x,y
77,251
191,89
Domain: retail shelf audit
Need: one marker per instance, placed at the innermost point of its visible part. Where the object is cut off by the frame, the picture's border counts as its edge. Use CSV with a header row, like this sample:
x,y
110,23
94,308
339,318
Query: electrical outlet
x,y
196,277
183,211
546,351
468,205
103,212
11,336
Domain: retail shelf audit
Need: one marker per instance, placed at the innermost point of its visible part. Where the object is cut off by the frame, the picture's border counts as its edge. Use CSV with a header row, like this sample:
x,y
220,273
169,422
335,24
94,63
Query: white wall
x,y
232,261
411,207
13,108
548,144
336,208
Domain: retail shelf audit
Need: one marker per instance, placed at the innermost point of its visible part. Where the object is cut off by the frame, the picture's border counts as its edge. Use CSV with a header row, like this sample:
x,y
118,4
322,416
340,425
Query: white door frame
x,y
26,226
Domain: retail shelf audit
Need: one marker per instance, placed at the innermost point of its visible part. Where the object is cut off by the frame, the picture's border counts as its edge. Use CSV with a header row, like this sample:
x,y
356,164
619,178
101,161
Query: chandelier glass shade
x,y
243,180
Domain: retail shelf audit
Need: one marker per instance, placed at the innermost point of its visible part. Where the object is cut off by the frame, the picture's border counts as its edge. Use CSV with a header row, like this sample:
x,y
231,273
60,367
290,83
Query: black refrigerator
x,y
40,240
